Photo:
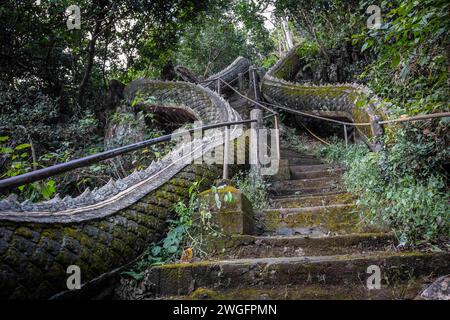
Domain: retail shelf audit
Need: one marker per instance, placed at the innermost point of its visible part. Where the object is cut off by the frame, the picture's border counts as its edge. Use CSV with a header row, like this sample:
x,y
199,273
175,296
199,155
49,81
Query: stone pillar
x,y
233,217
241,82
255,164
377,133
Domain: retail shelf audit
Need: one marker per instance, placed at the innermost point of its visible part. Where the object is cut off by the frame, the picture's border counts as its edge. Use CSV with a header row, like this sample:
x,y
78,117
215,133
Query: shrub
x,y
254,187
404,188
190,231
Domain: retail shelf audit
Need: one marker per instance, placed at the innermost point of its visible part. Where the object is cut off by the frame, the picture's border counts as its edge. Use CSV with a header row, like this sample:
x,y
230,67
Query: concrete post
x,y
240,82
255,114
226,149
377,133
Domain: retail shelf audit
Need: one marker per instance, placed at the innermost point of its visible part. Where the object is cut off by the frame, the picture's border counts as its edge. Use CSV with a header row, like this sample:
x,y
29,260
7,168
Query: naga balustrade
x,y
12,182
9,183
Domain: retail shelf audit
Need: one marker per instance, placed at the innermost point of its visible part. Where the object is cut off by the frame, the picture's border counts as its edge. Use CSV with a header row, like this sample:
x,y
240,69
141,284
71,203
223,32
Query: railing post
x,y
254,84
240,82
377,132
218,86
255,164
226,148
277,133
346,135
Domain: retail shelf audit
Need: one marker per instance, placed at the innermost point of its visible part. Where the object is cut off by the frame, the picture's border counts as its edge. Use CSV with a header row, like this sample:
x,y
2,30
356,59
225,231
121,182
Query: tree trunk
x,y
90,62
287,34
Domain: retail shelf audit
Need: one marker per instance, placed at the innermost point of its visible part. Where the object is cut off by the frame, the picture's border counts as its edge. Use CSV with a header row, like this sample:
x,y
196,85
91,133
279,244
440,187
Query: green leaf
x,y
360,103
4,138
49,189
365,46
405,71
22,146
217,200
156,250
395,61
172,249
228,197
134,275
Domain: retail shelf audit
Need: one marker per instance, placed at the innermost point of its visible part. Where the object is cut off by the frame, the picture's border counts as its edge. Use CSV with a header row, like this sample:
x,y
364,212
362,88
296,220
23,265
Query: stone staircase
x,y
312,245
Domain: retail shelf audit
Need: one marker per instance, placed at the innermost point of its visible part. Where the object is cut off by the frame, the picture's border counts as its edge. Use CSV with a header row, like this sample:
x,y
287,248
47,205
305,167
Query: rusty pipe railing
x,y
30,177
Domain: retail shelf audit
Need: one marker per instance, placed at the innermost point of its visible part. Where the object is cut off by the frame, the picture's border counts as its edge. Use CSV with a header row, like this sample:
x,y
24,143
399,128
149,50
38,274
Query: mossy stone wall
x,y
34,257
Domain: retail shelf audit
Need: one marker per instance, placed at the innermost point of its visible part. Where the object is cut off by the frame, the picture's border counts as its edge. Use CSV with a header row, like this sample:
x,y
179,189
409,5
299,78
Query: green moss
x,y
86,241
338,219
52,234
71,232
65,258
24,232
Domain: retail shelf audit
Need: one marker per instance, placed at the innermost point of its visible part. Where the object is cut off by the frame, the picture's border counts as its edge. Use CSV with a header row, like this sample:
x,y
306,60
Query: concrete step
x,y
305,186
285,153
306,183
335,219
298,174
346,271
302,161
314,168
311,201
244,246
396,291
306,191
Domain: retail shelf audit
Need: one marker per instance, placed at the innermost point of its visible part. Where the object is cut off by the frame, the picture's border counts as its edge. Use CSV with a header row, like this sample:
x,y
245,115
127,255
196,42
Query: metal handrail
x,y
44,173
403,119
217,78
86,161
318,117
251,100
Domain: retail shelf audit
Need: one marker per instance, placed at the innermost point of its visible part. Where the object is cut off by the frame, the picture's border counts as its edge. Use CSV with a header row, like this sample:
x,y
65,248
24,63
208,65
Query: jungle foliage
x,y
406,63
54,81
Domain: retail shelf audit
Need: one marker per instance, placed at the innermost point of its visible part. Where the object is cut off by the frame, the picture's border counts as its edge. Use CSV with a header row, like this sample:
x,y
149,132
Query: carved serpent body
x,y
105,228
332,100
108,227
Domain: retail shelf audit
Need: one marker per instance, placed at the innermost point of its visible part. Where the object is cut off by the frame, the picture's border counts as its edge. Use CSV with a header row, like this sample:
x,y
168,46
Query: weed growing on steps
x,y
254,187
403,188
188,235
299,143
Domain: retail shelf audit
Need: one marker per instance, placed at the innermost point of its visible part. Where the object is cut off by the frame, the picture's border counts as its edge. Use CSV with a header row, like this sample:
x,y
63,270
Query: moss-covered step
x,y
286,153
396,291
284,171
329,173
305,186
306,161
242,246
306,183
245,274
312,201
338,219
314,167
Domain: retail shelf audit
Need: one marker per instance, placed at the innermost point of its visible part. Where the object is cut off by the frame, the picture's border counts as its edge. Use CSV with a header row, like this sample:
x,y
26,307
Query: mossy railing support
x,y
377,132
218,87
241,82
277,133
346,136
255,114
226,149
254,85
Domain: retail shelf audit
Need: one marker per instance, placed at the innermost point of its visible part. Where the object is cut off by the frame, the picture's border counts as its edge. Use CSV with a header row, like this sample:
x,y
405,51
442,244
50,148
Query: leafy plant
x,y
254,187
404,188
192,230
410,66
18,162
